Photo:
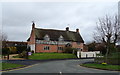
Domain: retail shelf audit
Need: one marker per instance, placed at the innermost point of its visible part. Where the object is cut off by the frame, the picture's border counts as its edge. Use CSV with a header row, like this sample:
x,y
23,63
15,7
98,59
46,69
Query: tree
x,y
91,46
3,46
5,51
3,39
108,31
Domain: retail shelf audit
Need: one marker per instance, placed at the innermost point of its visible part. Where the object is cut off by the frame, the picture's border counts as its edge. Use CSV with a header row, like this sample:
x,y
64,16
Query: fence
x,y
87,54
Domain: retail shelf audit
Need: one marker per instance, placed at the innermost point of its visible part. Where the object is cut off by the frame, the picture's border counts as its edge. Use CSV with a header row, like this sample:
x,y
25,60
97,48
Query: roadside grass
x,y
101,66
7,66
43,56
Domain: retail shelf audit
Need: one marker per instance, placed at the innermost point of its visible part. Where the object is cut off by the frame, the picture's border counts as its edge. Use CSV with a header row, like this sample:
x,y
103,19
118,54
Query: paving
x,y
61,66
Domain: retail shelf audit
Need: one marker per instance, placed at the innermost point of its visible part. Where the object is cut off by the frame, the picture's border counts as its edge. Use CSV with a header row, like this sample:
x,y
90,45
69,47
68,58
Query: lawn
x,y
7,66
101,66
43,56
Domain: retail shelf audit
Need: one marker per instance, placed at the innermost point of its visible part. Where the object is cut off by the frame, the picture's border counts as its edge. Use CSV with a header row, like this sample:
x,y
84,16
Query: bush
x,y
68,50
32,51
113,58
13,50
5,51
20,49
23,54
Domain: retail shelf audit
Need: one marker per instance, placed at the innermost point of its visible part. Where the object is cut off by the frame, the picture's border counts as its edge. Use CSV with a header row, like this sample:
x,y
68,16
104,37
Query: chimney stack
x,y
77,30
33,25
67,28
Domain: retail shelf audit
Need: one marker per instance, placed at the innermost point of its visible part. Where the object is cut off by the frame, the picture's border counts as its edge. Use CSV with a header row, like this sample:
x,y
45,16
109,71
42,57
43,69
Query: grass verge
x,y
43,56
101,66
9,66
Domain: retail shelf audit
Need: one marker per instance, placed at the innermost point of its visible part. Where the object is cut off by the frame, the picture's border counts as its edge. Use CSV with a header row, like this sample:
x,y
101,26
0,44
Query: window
x,y
60,48
78,48
46,48
78,43
46,37
60,38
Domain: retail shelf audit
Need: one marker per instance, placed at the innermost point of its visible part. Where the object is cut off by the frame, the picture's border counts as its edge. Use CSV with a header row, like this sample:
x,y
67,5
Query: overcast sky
x,y
17,17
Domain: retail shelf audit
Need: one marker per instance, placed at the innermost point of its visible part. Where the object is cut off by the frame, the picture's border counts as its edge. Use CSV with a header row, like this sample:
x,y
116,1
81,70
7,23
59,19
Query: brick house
x,y
50,40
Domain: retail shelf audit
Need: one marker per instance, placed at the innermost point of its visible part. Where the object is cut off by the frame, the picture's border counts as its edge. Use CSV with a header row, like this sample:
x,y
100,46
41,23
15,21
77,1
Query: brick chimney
x,y
67,28
33,25
77,30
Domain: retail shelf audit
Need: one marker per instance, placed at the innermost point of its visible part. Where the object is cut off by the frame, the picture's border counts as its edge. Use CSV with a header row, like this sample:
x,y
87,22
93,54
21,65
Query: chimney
x,y
67,28
33,25
77,30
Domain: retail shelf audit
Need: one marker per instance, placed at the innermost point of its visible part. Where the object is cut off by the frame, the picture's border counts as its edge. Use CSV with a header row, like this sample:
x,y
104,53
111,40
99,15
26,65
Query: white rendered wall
x,y
32,47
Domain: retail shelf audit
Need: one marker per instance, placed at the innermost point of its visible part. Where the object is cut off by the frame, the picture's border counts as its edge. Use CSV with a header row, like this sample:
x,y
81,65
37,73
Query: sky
x,y
17,17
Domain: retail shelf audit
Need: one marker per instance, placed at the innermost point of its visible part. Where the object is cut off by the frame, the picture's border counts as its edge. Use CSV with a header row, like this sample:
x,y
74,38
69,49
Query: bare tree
x,y
3,47
3,39
108,31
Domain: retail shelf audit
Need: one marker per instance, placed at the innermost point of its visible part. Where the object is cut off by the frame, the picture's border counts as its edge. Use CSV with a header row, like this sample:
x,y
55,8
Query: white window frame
x,y
46,48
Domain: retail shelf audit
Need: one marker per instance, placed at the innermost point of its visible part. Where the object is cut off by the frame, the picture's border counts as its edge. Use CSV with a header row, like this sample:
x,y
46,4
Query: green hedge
x,y
101,66
113,58
115,61
43,56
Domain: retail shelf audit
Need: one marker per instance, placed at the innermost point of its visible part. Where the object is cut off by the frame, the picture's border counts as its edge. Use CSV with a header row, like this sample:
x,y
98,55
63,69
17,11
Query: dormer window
x,y
61,38
46,38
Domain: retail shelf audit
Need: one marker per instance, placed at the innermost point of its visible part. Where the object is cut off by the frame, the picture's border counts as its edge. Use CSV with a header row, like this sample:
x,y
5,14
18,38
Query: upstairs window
x,y
46,38
61,38
78,43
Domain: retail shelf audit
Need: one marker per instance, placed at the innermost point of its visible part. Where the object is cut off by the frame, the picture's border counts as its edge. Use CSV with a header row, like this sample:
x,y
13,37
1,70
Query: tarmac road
x,y
61,66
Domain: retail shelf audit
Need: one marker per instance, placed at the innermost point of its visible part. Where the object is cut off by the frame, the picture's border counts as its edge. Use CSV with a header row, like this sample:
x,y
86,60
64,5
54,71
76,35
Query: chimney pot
x,y
33,25
67,28
77,30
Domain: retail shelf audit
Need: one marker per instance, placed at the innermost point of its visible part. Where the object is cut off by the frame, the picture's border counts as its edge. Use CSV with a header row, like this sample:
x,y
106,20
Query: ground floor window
x,y
78,48
60,48
46,48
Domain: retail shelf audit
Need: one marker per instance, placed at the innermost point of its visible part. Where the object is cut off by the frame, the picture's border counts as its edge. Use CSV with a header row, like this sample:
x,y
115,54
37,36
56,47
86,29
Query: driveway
x,y
61,66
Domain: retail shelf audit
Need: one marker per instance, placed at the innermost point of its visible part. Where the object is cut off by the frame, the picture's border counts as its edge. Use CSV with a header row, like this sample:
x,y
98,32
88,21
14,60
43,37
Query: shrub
x,y
32,51
5,51
13,50
20,49
68,50
23,54
113,58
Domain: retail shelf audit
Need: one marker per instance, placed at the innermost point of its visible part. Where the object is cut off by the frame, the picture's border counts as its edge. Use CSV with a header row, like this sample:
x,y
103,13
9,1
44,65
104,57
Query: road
x,y
60,66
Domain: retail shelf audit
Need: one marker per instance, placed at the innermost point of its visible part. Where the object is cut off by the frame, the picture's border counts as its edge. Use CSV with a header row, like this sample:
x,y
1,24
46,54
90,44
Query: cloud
x,y
17,17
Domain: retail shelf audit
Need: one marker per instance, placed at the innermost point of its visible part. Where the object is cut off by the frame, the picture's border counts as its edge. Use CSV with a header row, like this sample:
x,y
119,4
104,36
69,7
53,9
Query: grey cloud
x,y
17,17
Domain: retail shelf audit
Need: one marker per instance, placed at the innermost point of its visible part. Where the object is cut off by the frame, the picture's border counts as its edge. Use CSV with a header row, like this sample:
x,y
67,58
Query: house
x,y
13,43
50,40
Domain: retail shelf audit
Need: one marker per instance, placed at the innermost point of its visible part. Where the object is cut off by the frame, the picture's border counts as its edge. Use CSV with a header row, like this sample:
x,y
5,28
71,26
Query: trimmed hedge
x,y
115,61
113,58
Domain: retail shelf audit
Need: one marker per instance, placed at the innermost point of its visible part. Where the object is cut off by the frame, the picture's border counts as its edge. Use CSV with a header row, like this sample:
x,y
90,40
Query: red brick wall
x,y
75,45
53,48
32,37
85,48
